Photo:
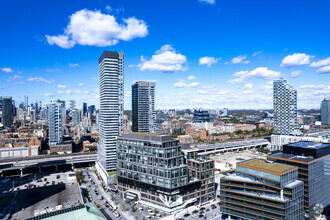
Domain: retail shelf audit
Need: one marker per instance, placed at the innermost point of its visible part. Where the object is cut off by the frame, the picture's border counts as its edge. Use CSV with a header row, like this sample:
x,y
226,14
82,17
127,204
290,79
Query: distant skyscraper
x,y
111,75
285,108
91,109
84,109
55,123
76,117
7,111
0,103
143,106
72,104
26,102
325,112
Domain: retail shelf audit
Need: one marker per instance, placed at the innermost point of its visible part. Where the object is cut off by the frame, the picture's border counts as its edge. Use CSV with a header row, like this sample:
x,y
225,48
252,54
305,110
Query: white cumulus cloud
x,y
240,59
7,70
183,84
81,84
50,94
208,61
324,69
92,28
191,77
260,72
296,73
248,86
73,64
166,59
212,2
61,86
296,59
257,53
320,63
39,79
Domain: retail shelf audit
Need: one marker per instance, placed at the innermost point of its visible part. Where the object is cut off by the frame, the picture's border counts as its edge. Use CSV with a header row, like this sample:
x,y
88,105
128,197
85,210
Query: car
x,y
218,196
186,215
193,215
207,210
219,203
201,216
58,176
213,207
116,214
202,209
45,179
195,211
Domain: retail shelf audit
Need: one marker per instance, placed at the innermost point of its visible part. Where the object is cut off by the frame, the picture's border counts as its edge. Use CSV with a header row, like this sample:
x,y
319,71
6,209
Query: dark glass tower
x,y
143,106
7,111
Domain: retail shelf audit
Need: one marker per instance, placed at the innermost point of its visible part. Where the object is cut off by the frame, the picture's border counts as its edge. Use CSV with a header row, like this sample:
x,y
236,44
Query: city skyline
x,y
228,63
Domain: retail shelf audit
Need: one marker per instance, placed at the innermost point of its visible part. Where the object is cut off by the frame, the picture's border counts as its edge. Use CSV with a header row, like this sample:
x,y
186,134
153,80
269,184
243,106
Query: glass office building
x,y
313,163
201,116
151,168
262,190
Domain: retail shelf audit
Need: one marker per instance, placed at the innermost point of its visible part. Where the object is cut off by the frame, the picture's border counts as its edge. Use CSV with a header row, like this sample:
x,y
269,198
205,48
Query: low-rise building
x,y
313,162
151,168
203,170
64,147
197,133
262,190
185,139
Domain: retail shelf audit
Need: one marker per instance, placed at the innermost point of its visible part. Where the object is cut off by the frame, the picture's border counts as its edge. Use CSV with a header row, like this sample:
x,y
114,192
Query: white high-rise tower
x,y
55,123
111,73
285,108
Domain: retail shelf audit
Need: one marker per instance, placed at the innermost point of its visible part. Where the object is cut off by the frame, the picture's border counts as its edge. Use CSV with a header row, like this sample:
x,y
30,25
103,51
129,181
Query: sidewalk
x,y
108,198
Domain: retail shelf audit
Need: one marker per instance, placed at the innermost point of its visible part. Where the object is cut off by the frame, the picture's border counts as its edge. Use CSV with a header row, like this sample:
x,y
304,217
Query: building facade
x,y
7,111
143,106
151,169
325,112
313,163
203,170
111,73
285,108
84,109
55,123
261,190
201,116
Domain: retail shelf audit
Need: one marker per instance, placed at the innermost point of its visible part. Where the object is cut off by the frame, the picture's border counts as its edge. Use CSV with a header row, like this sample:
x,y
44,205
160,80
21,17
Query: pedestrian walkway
x,y
107,196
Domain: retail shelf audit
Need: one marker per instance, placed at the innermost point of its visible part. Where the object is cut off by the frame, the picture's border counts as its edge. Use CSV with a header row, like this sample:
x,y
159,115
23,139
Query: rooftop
x,y
85,211
262,164
293,157
309,145
29,200
143,136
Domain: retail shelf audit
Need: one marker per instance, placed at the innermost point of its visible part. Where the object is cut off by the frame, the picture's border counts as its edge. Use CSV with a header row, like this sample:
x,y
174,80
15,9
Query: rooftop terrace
x,y
262,164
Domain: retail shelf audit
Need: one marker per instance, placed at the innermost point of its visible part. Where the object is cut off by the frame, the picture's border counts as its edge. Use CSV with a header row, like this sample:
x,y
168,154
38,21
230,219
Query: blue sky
x,y
209,54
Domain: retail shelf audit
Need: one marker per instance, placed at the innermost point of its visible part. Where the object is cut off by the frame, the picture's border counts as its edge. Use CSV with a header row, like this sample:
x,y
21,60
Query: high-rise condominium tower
x,y
325,112
111,73
72,105
84,109
55,123
7,111
285,108
143,106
